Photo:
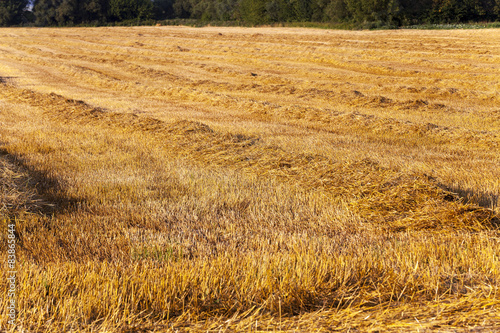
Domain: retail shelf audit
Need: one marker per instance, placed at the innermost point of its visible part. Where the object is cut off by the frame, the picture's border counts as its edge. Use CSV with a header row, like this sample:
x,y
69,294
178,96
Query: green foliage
x,y
94,11
361,13
121,10
45,12
454,11
11,12
163,9
182,8
212,10
336,11
67,12
378,11
254,11
365,13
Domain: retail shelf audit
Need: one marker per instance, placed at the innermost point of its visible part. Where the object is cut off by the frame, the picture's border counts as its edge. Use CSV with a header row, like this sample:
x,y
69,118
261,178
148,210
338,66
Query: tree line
x,y
255,12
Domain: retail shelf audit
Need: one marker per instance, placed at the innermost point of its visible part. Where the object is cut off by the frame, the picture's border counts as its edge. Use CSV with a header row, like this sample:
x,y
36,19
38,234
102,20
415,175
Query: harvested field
x,y
175,179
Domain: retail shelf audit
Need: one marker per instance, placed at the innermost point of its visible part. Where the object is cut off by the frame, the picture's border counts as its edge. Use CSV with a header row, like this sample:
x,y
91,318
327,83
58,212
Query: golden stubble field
x,y
250,179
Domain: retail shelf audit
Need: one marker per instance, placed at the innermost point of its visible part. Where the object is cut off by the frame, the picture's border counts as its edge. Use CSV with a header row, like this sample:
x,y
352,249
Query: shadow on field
x,y
30,190
480,198
7,79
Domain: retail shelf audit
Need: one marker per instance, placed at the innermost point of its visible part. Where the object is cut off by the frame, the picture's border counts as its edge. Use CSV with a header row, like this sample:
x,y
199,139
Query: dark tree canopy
x,y
122,10
360,12
12,12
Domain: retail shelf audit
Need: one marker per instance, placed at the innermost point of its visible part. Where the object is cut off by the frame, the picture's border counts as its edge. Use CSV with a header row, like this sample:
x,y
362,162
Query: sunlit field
x,y
174,179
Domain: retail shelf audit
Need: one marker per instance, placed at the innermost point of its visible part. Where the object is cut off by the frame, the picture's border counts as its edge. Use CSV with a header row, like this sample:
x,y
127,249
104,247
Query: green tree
x,y
163,9
94,11
11,12
67,13
182,8
452,11
45,12
224,9
414,12
253,11
376,11
301,10
122,10
336,11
